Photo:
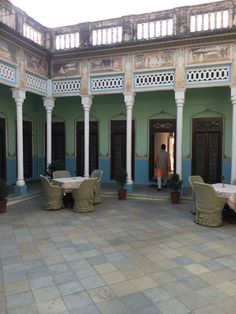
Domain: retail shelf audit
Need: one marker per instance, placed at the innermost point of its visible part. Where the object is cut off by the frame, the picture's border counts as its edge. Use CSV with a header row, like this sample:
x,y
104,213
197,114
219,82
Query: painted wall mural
x,y
211,53
36,64
106,64
154,60
66,68
8,51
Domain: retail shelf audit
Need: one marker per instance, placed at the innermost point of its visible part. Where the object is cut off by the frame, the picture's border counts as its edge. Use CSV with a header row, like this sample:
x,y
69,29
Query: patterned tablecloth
x,y
228,191
69,183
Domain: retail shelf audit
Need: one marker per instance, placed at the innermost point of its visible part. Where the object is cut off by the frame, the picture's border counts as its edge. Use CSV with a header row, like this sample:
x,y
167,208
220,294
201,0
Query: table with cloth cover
x,y
69,183
228,191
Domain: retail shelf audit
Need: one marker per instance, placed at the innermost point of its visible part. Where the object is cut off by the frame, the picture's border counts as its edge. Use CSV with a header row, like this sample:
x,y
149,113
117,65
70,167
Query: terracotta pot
x,y
3,206
122,194
175,197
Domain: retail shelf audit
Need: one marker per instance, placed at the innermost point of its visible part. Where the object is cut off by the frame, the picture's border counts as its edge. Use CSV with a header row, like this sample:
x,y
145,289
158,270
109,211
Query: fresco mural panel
x,y
154,60
206,54
106,64
36,64
66,68
8,51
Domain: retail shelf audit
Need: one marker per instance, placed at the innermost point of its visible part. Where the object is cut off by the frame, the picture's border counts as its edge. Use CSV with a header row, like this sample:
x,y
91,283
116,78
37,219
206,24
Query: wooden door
x,y
207,148
2,149
118,146
58,141
93,147
27,148
157,126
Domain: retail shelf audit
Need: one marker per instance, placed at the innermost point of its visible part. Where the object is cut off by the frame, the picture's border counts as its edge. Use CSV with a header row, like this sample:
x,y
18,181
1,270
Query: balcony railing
x,y
176,23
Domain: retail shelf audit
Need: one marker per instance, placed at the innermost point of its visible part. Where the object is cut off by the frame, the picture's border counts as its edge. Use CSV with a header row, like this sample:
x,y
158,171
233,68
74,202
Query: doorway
x,y
93,147
118,146
161,132
207,148
3,148
27,148
58,141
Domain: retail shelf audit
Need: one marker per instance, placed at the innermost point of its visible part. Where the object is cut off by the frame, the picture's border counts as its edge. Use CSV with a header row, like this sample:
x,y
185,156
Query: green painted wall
x,y
207,102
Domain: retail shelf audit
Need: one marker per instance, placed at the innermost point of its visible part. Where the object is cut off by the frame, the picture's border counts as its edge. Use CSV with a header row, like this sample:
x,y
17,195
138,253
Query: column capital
x,y
129,98
49,103
233,94
18,95
86,102
179,96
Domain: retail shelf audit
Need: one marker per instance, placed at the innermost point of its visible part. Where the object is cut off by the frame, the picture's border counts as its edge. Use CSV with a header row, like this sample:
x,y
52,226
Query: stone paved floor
x,y
133,256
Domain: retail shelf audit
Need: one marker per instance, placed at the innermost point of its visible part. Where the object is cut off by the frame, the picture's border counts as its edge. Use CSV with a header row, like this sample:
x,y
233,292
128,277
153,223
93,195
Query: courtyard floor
x,y
142,255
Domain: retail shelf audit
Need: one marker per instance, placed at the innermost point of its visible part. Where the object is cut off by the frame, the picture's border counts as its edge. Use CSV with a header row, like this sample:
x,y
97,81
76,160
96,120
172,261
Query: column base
x,y
20,190
129,187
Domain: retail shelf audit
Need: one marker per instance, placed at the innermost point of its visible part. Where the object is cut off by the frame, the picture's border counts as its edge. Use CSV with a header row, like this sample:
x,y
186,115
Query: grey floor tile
x,y
20,299
77,300
135,301
70,288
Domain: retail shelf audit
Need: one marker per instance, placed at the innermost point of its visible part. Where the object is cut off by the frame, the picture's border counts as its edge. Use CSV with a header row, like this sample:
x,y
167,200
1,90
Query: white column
x,y
233,156
179,98
86,102
49,105
129,101
19,97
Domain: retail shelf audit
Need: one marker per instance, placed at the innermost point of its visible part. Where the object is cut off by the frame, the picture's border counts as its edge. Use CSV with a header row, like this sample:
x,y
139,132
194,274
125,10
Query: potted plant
x,y
4,191
54,166
121,178
175,184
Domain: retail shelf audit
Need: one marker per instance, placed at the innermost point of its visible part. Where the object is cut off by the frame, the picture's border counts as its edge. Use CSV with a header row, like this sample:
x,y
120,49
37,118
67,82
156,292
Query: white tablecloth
x,y
69,183
228,191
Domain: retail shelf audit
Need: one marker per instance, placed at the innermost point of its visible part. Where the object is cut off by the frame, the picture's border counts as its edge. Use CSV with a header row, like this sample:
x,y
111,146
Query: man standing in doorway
x,y
162,165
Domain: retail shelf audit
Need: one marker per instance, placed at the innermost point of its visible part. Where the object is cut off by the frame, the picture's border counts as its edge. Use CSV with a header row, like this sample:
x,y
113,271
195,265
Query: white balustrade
x,y
209,21
107,83
211,74
109,35
67,41
7,73
155,29
154,79
35,84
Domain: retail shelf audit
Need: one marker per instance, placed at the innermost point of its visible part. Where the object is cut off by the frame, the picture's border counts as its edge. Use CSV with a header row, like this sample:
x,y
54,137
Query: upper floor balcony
x,y
178,23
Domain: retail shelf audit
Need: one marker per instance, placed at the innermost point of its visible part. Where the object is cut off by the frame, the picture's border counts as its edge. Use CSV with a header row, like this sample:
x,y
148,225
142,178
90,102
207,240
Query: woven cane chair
x,y
83,196
97,197
191,180
52,195
60,174
209,205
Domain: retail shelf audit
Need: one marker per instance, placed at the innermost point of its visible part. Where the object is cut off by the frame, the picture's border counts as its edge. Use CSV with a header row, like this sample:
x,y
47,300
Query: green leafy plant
x,y
4,190
54,166
174,182
121,177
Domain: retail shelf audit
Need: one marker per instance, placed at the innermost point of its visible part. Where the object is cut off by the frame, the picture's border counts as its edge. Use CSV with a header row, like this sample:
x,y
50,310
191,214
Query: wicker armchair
x,y
83,196
191,180
209,205
97,197
52,195
61,174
